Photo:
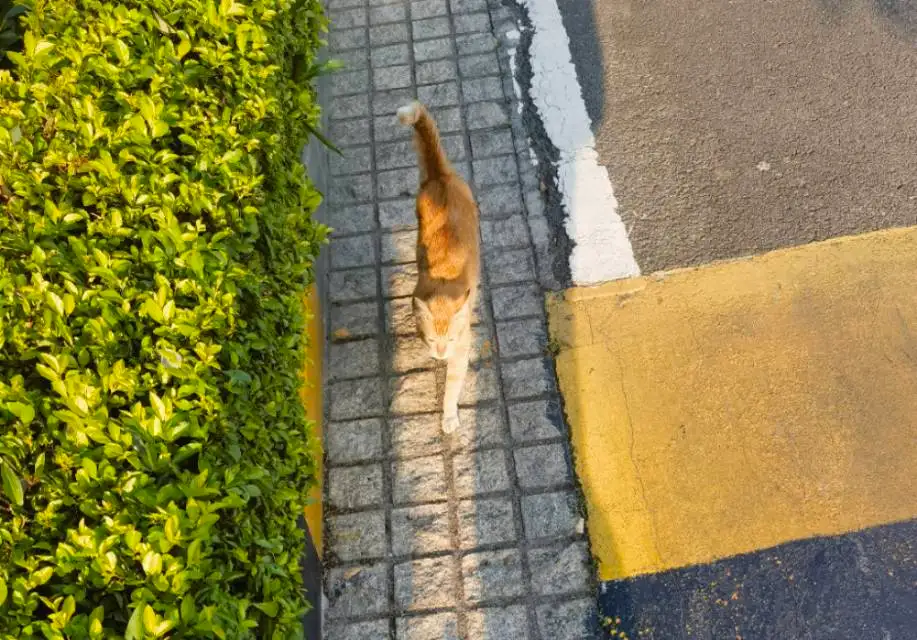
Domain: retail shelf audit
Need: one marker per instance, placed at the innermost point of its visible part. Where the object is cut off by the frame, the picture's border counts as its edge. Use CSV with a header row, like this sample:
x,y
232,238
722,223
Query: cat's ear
x,y
466,301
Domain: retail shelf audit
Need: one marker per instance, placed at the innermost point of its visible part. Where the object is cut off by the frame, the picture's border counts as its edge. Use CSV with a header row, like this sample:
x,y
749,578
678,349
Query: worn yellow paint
x,y
733,407
311,395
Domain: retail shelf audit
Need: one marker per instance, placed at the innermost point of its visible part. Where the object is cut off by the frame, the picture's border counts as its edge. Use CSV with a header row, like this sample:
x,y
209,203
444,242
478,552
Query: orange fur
x,y
448,258
448,251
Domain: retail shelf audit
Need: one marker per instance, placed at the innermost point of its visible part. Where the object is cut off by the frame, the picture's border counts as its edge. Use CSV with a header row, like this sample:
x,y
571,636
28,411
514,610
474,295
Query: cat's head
x,y
442,321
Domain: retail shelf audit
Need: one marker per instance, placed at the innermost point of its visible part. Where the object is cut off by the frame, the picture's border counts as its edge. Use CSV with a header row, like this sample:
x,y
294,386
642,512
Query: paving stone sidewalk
x,y
476,535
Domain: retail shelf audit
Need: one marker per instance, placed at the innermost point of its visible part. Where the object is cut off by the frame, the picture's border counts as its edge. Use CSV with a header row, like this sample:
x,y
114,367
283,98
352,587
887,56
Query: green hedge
x,y
155,245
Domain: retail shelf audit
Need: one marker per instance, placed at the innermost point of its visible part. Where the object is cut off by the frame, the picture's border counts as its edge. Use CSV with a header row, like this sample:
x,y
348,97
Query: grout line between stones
x,y
386,468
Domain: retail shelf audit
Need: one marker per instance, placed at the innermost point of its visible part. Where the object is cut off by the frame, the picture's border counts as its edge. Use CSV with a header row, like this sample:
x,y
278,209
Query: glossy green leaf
x,y
24,412
150,620
152,563
134,629
12,486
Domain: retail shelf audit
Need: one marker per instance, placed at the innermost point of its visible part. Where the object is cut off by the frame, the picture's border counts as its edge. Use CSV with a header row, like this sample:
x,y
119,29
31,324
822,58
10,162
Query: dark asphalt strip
x,y
860,586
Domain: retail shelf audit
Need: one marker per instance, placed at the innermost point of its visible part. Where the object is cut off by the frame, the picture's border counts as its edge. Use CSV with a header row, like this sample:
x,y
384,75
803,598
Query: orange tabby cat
x,y
448,263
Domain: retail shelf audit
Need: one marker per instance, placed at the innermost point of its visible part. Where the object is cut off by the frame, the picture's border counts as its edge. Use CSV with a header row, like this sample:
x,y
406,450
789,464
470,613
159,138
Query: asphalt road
x,y
731,128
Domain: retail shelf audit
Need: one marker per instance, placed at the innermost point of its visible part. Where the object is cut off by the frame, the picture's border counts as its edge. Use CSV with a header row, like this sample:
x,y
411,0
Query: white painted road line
x,y
601,250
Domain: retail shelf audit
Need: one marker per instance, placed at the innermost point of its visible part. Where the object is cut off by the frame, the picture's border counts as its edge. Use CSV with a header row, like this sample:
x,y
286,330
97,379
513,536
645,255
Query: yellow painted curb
x,y
311,395
730,408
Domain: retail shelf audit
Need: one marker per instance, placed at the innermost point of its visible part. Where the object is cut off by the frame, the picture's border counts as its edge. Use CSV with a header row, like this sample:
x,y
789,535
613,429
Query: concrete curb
x,y
315,157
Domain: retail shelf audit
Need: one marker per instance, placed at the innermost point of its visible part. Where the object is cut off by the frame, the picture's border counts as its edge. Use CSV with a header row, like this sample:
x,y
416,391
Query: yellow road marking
x,y
720,410
311,396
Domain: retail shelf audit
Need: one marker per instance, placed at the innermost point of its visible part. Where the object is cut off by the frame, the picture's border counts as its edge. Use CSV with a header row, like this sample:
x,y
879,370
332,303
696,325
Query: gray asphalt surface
x,y
731,128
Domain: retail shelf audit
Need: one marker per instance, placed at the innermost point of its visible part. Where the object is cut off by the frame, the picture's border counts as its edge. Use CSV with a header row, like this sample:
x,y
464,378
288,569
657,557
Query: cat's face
x,y
442,322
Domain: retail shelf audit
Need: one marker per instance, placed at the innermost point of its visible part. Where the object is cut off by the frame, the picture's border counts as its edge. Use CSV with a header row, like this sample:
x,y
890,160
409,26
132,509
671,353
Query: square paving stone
x,y
475,43
349,82
550,515
341,39
357,591
576,620
542,466
390,54
480,64
431,28
349,132
352,219
492,575
500,200
468,6
480,427
561,569
508,623
372,630
491,171
387,127
396,214
526,378
443,94
436,71
399,280
395,77
388,34
421,530
349,107
352,285
494,142
414,393
506,267
388,101
433,49
358,441
399,247
536,420
480,472
351,399
480,386
517,300
399,317
355,487
428,8
353,59
351,189
410,353
425,584
436,626
357,536
486,521
416,436
387,13
504,233
357,320
484,115
397,183
353,359
472,23
418,480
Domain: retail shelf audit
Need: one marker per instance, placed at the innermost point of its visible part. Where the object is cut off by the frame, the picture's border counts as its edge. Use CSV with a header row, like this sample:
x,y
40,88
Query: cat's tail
x,y
430,154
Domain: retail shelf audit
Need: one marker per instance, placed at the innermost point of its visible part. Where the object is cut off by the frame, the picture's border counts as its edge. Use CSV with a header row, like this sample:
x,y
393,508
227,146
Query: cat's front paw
x,y
450,424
